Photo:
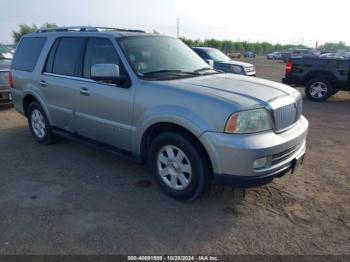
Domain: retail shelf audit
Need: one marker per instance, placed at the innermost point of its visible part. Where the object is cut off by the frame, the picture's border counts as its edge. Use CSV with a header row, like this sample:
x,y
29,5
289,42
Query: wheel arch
x,y
157,128
31,97
320,74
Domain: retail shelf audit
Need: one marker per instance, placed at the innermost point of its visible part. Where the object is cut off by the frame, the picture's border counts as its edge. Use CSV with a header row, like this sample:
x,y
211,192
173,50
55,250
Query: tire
x,y
39,125
318,89
196,177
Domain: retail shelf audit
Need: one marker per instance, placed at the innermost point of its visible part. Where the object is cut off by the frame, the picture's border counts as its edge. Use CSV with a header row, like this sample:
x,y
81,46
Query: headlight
x,y
236,69
250,121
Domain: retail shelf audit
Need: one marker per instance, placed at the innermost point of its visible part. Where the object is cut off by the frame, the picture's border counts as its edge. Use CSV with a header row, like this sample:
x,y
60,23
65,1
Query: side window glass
x,y
100,51
200,53
51,56
66,59
27,53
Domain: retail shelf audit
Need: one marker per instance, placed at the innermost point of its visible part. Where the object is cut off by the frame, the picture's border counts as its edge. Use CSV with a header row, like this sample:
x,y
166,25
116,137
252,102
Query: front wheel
x,y
318,89
179,165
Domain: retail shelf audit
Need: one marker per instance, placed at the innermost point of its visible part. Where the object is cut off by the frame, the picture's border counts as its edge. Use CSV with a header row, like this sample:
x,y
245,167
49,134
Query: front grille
x,y
249,69
280,157
287,115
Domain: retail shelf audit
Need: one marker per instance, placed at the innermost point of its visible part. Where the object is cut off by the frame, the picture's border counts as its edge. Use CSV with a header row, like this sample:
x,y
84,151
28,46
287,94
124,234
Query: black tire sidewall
x,y
324,81
200,171
47,139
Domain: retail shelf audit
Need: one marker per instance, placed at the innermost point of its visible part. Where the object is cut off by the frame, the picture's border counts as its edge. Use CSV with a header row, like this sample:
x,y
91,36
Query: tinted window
x,y
27,53
67,56
51,56
200,53
99,51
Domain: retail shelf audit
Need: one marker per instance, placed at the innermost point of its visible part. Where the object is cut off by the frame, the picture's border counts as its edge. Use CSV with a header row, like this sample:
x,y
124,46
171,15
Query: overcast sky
x,y
277,21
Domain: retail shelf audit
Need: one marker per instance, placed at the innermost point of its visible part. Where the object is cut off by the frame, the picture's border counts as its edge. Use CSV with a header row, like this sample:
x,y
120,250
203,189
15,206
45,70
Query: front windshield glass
x,y
161,56
4,49
217,56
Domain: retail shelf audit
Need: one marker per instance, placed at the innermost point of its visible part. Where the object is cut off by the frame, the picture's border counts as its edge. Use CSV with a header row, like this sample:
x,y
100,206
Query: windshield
x,y
4,49
217,56
5,53
159,56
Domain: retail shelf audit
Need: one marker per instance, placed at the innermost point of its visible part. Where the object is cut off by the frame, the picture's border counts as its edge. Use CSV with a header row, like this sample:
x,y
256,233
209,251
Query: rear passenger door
x,y
104,110
60,82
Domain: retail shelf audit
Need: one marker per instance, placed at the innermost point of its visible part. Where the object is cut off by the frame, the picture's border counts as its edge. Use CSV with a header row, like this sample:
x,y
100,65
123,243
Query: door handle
x,y
42,83
84,91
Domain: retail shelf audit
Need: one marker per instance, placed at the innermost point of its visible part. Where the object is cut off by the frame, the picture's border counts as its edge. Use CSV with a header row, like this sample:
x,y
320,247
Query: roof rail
x,y
85,29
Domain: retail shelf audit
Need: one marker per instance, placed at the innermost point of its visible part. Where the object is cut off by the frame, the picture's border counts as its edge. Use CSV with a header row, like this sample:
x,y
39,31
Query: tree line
x,y
260,48
227,46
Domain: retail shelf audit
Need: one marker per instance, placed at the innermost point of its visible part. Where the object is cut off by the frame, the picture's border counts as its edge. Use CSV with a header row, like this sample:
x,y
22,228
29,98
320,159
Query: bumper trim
x,y
250,181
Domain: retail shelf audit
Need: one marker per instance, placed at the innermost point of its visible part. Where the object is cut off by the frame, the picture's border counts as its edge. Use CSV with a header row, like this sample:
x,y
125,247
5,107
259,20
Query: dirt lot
x,y
70,199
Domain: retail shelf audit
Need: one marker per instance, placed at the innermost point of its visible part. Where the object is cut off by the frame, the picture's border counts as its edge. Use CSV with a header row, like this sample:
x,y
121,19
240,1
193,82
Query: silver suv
x,y
151,98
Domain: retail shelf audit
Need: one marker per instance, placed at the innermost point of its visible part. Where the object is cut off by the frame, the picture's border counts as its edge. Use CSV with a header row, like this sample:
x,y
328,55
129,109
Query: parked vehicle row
x,y
5,63
5,53
322,78
151,98
274,56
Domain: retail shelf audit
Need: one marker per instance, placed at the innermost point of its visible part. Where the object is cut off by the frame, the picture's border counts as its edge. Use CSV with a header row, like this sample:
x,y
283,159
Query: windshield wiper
x,y
203,69
176,71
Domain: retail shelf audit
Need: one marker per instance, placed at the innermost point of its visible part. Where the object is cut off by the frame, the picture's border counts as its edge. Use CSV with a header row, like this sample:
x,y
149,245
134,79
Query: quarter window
x,y
27,53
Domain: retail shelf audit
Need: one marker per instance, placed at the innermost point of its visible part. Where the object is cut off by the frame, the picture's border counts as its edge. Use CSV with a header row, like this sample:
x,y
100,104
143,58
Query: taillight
x,y
10,79
289,67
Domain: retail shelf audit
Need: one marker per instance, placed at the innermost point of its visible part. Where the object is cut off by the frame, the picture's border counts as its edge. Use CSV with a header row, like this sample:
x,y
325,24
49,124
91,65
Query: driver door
x,y
104,111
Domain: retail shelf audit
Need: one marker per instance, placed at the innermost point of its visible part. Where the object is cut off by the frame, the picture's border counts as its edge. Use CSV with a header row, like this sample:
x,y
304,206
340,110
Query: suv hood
x,y
243,91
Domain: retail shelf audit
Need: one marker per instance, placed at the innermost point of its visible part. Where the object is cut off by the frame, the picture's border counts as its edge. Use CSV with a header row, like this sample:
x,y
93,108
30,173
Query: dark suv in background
x,y
219,61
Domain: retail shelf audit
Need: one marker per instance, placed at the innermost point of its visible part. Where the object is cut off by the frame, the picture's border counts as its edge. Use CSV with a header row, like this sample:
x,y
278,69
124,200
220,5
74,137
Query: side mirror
x,y
210,62
106,72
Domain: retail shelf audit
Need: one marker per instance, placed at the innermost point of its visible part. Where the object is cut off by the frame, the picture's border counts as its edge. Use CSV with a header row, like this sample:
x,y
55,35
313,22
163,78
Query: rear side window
x,y
27,53
67,56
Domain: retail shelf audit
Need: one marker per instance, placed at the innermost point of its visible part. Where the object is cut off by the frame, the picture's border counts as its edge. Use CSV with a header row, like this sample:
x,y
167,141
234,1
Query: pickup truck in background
x,y
5,90
321,77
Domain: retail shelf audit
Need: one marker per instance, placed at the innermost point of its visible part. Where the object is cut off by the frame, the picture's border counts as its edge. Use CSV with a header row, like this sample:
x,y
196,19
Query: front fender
x,y
168,114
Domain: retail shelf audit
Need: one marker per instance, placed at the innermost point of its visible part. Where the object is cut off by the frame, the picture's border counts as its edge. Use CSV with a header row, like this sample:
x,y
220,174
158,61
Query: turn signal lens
x,y
231,124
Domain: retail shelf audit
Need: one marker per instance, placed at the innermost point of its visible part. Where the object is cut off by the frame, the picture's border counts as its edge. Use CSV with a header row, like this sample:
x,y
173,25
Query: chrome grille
x,y
287,115
299,108
249,69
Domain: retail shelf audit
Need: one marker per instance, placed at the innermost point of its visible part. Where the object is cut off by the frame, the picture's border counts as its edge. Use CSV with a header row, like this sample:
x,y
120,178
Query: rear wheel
x,y
318,89
179,165
39,125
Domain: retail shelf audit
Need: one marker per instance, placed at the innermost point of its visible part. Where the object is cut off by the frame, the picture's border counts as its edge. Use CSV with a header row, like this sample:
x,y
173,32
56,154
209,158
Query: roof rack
x,y
86,29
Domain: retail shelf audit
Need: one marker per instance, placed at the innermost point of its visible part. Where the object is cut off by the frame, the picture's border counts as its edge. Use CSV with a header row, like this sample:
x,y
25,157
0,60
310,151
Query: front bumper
x,y
232,156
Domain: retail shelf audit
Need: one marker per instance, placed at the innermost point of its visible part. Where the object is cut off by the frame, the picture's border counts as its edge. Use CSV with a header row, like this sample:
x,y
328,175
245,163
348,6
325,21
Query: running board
x,y
121,153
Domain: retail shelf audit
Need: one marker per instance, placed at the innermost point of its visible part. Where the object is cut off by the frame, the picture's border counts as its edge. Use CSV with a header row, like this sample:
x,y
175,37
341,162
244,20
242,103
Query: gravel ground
x,y
70,199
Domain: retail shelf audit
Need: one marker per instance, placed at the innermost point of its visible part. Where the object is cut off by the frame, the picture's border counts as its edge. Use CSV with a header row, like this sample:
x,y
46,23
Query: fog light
x,y
259,163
